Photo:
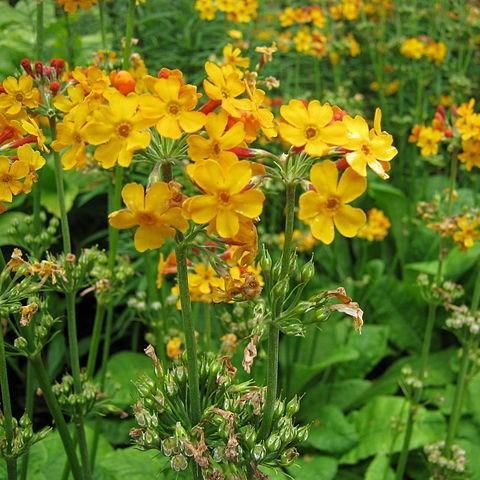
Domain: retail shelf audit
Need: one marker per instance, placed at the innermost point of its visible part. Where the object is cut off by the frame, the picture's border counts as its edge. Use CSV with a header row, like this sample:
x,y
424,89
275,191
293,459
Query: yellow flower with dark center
x,y
233,56
155,213
171,107
219,142
470,155
19,94
468,231
326,205
371,148
70,137
34,162
428,140
202,281
119,129
311,127
225,85
10,176
227,197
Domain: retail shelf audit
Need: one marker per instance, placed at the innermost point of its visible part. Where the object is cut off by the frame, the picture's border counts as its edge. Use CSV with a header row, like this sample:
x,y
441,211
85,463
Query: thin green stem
x,y
54,407
208,326
101,12
39,31
70,46
29,404
127,47
273,331
95,340
189,331
7,410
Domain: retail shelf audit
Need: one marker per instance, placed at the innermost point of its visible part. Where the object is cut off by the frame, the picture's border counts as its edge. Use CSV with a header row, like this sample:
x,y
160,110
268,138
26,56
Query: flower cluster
x,y
424,47
377,226
461,318
239,11
445,464
71,6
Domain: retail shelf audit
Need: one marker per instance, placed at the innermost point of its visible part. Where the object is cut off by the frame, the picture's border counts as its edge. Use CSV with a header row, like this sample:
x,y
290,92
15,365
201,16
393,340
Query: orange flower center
x,y
310,132
224,198
332,203
173,108
225,93
77,138
216,149
124,129
6,178
19,97
146,218
366,149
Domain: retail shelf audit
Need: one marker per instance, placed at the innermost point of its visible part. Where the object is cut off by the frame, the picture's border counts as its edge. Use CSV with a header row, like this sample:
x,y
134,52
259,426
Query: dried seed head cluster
x,y
446,465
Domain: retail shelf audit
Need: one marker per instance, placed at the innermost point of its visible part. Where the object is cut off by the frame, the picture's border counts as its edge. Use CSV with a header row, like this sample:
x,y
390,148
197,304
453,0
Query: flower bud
x,y
302,433
179,462
259,452
273,442
293,406
280,288
250,436
20,343
307,272
265,261
288,457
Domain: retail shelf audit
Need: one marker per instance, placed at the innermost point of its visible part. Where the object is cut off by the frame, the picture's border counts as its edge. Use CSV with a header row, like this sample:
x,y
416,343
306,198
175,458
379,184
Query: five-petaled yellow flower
x,y
119,129
10,176
34,161
311,127
171,107
368,147
326,205
228,197
19,94
155,212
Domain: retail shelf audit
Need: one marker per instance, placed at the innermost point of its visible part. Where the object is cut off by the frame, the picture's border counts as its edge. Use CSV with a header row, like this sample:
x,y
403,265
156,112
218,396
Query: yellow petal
x,y
249,203
324,177
349,220
216,124
238,176
209,176
192,121
319,115
201,208
358,161
157,197
133,196
322,228
168,127
310,205
122,219
351,185
227,223
295,113
291,134
151,237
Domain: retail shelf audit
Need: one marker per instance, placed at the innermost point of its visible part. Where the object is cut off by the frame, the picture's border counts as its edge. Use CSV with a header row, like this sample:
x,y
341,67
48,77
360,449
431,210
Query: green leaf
x,y
380,468
377,435
131,464
314,468
122,369
332,432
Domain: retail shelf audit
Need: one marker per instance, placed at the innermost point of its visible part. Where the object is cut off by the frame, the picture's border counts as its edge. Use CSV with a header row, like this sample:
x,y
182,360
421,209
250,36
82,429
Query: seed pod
x,y
302,433
280,288
307,272
278,409
288,457
179,462
250,436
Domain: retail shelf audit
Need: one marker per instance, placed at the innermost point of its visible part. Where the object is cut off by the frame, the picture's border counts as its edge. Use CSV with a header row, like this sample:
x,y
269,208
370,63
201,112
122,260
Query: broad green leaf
x,y
314,468
332,432
122,369
377,435
379,469
131,464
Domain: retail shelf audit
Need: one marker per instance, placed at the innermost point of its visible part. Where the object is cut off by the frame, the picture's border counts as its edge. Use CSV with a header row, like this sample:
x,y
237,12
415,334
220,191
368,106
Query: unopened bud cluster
x,y
72,402
23,437
461,318
225,444
410,379
40,326
445,294
446,465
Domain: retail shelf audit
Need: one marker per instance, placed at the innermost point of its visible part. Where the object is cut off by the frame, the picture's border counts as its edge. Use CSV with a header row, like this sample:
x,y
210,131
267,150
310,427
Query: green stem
x,y
7,410
70,49
57,415
127,48
39,31
273,331
29,404
95,341
101,11
189,331
208,326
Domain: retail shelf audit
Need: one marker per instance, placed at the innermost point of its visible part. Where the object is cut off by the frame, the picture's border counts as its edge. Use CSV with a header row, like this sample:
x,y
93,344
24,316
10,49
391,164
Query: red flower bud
x,y
58,64
54,87
38,68
27,66
342,164
243,152
210,106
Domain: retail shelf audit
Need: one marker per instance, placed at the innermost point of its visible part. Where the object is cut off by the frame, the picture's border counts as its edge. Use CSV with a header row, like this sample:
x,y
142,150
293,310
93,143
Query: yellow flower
x,y
468,231
428,140
259,117
412,48
66,103
70,136
30,127
119,129
203,281
10,176
377,226
174,347
166,266
233,56
34,161
326,205
71,6
219,142
368,147
156,214
206,8
224,85
171,108
470,155
19,94
311,127
227,197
